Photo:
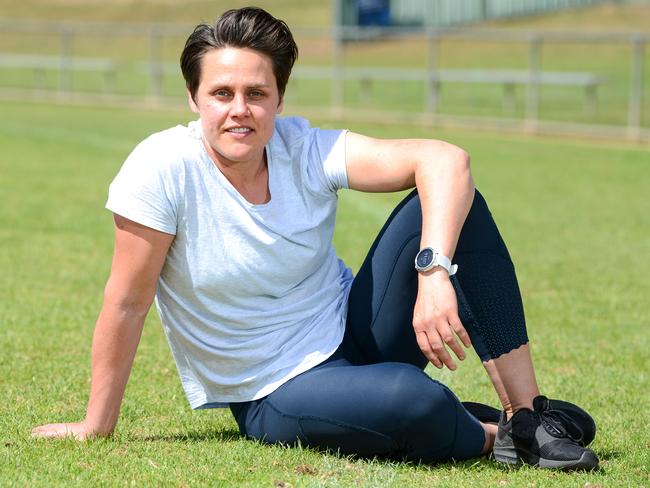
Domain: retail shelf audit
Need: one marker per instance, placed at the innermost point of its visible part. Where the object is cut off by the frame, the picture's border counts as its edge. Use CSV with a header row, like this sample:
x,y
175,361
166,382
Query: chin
x,y
238,156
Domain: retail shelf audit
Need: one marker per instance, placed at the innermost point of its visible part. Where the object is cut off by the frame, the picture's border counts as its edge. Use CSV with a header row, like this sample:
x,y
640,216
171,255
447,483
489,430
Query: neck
x,y
246,173
249,178
239,170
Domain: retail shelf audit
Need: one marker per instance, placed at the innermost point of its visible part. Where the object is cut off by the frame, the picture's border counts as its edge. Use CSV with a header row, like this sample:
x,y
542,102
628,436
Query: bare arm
x,y
137,261
441,173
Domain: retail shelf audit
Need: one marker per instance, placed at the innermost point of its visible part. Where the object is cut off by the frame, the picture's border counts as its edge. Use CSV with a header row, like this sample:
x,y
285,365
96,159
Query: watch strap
x,y
445,262
438,259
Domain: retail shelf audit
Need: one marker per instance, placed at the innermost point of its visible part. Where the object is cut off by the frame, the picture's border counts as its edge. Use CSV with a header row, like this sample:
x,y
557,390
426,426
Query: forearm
x,y
441,173
138,258
446,191
115,341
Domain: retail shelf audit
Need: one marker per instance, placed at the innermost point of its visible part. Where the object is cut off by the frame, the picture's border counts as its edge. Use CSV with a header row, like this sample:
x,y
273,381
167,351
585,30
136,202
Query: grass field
x,y
132,52
575,216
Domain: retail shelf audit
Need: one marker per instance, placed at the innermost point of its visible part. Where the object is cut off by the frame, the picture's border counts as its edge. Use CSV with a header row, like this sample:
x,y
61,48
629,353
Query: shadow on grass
x,y
193,436
483,462
603,456
523,467
608,454
231,435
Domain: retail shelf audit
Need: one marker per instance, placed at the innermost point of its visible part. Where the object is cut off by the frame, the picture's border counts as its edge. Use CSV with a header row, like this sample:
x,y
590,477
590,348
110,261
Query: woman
x,y
228,222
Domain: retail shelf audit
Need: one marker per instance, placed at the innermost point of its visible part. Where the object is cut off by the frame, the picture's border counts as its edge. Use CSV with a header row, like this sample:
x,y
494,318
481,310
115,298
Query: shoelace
x,y
561,425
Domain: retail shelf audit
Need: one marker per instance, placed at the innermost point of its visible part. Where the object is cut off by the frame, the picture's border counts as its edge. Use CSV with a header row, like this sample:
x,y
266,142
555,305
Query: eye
x,y
256,93
221,93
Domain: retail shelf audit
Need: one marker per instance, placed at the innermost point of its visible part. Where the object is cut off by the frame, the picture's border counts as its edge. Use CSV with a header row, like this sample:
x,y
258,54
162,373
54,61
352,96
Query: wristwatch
x,y
428,258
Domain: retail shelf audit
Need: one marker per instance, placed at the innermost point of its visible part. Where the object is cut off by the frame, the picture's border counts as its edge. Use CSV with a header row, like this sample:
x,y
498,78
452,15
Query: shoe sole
x,y
588,461
505,455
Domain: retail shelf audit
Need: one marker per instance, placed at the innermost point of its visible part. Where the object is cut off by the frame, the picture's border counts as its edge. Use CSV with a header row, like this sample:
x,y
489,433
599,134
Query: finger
x,y
425,347
45,431
460,331
447,335
439,349
52,431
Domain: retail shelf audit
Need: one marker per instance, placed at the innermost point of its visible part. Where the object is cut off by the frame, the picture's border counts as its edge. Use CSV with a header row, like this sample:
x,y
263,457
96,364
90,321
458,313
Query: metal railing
x,y
146,68
535,40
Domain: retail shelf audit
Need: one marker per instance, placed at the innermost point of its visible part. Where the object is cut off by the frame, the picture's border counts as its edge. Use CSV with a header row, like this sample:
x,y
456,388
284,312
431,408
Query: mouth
x,y
239,130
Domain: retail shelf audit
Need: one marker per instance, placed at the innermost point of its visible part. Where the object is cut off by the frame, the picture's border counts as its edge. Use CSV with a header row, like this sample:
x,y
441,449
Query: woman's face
x,y
237,100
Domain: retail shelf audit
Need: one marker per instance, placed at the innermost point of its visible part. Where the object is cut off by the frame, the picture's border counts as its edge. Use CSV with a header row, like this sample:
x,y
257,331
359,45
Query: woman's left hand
x,y
436,321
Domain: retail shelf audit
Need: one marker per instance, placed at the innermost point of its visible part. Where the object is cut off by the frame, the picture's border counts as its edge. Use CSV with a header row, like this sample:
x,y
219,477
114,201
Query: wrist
x,y
433,278
97,429
438,272
429,259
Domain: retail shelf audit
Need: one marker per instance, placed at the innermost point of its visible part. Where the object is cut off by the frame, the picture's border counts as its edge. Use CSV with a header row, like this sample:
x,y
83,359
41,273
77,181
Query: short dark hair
x,y
248,27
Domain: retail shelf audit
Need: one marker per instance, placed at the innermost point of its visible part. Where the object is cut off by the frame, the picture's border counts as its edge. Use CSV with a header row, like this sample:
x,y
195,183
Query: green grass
x,y
609,60
313,13
574,215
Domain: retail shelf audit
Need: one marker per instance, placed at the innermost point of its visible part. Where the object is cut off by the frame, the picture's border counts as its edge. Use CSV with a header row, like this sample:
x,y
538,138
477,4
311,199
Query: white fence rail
x,y
148,53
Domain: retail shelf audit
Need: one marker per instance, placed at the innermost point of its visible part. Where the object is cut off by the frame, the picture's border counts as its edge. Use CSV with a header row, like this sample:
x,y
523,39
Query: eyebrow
x,y
229,85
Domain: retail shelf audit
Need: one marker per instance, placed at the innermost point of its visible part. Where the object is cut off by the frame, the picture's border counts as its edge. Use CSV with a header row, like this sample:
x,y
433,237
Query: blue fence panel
x,y
442,13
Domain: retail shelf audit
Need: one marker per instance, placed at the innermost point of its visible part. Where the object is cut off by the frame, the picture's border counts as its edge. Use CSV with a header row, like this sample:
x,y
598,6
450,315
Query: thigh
x,y
382,297
387,409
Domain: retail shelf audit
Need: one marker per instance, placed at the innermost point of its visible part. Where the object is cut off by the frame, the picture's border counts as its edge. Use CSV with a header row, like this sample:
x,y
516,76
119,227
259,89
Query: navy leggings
x,y
372,398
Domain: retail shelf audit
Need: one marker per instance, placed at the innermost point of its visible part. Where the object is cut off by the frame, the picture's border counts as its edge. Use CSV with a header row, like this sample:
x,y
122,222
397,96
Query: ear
x,y
191,102
280,106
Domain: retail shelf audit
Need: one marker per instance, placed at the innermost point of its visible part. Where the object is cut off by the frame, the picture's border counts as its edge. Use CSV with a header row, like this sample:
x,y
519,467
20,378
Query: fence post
x,y
635,108
338,81
532,92
483,12
432,81
65,74
156,71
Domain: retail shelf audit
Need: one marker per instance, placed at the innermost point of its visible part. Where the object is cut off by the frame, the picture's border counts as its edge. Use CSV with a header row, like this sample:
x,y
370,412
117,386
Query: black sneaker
x,y
575,414
542,437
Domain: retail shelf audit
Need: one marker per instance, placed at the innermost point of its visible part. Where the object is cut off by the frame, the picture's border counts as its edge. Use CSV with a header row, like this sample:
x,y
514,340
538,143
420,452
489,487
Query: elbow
x,y
448,166
458,164
128,303
466,171
460,158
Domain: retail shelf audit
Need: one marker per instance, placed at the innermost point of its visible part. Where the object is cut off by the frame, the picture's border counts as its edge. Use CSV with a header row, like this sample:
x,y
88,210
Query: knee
x,y
423,402
433,409
426,426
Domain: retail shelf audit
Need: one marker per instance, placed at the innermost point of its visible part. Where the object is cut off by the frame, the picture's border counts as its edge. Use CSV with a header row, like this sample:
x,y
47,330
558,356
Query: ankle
x,y
508,413
511,410
520,405
490,434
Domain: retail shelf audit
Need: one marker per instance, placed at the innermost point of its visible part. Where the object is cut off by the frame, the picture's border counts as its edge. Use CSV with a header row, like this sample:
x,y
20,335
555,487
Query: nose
x,y
239,107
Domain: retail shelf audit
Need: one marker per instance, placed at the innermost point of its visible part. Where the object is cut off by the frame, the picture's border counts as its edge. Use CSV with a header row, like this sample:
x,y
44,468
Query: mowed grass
x,y
314,13
575,215
310,21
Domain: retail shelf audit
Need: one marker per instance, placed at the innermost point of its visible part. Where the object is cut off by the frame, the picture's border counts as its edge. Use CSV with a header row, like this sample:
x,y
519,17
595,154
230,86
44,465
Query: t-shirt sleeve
x,y
326,155
320,153
141,191
323,159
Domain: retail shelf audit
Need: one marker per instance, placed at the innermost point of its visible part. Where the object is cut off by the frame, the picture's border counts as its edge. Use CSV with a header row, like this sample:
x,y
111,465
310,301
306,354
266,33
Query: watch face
x,y
425,257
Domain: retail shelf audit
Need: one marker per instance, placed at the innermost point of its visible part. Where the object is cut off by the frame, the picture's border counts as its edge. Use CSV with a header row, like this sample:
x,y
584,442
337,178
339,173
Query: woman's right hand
x,y
137,260
76,430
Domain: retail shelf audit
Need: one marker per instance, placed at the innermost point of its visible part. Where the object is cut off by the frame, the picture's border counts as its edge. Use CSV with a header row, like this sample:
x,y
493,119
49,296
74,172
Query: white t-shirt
x,y
250,295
